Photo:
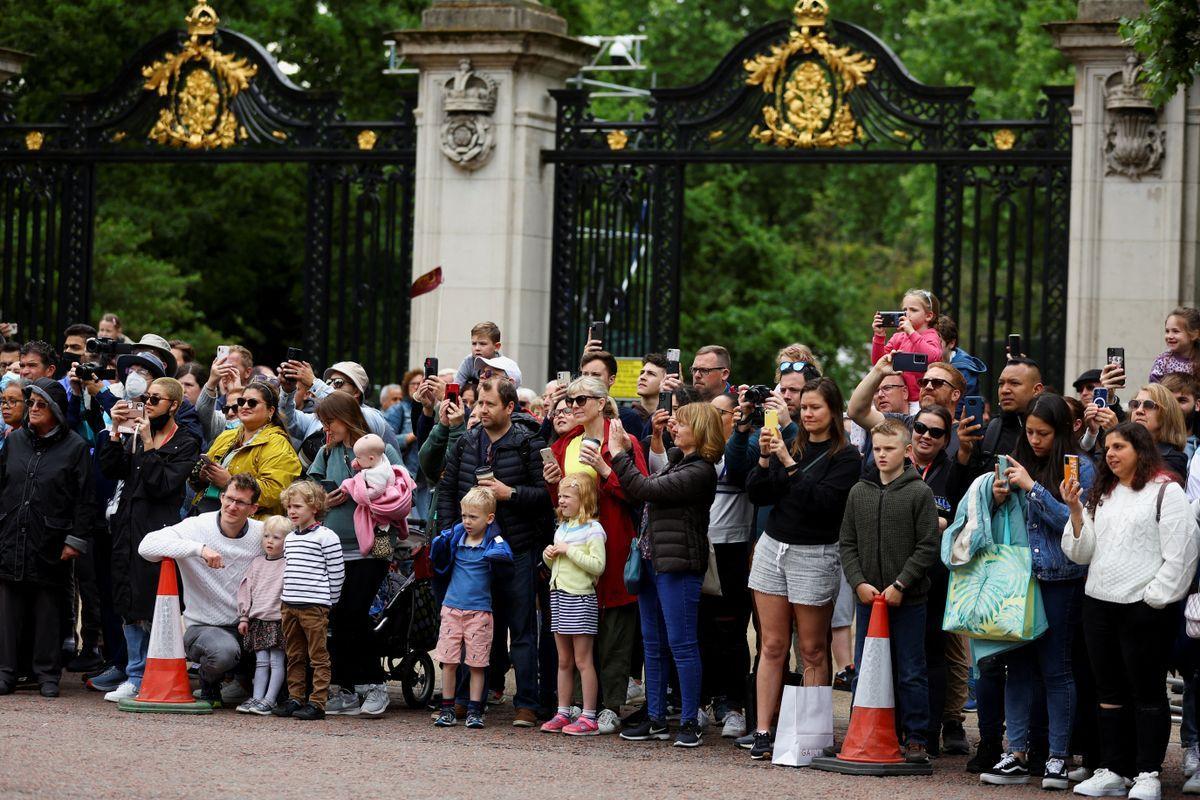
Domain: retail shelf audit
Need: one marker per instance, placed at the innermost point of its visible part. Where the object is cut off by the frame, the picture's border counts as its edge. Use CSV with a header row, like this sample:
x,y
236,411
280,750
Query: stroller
x,y
406,620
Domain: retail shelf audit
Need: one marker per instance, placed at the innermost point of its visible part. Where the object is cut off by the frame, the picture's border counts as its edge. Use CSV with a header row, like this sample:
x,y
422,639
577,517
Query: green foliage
x,y
1167,36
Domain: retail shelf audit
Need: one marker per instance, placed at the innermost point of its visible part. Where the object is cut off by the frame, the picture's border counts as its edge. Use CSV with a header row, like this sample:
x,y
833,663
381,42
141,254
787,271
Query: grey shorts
x,y
806,574
843,610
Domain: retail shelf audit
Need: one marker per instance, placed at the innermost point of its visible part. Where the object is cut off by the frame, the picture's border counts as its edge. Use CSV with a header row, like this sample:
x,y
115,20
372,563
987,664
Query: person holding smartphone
x,y
584,449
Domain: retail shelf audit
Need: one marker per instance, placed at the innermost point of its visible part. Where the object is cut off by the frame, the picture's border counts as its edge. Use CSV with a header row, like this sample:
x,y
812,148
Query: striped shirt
x,y
314,569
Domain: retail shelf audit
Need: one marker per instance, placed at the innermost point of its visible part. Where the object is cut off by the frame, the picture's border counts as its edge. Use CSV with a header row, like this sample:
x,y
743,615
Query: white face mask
x,y
135,385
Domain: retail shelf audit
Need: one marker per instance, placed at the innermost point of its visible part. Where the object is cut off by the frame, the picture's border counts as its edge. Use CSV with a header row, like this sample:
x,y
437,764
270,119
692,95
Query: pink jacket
x,y
389,508
926,341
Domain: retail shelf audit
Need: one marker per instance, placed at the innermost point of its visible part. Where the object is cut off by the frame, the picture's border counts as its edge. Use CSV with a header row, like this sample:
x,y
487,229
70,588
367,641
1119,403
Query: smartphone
x,y
771,419
564,379
1014,346
1070,468
909,362
547,454
666,401
431,367
1116,357
452,392
596,331
891,319
1002,465
1100,397
296,354
222,352
973,407
673,361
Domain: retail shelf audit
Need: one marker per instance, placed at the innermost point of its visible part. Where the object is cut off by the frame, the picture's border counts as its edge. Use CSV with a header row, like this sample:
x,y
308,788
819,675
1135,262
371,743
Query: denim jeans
x,y
907,627
669,606
137,644
1047,657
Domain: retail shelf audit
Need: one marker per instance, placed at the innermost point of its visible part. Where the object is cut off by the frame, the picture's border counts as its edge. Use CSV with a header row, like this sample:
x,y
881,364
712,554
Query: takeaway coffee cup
x,y
483,474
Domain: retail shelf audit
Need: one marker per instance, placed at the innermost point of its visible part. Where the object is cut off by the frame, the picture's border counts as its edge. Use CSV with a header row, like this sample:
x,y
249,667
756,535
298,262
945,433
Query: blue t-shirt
x,y
471,582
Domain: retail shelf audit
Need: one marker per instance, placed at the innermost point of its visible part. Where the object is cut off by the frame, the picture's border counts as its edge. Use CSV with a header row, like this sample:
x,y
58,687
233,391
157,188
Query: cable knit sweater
x,y
1132,558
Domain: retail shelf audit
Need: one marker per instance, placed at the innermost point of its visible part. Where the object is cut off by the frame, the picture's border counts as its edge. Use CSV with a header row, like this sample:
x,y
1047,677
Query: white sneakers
x,y
126,691
1191,760
608,721
1105,783
634,692
735,725
1146,786
376,700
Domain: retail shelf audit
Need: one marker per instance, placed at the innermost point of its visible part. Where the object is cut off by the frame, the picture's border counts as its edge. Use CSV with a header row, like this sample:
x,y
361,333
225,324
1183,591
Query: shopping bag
x,y
712,578
805,725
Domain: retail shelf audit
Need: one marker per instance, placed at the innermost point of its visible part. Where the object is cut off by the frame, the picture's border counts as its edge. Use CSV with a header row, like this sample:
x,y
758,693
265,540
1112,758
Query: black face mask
x,y
158,423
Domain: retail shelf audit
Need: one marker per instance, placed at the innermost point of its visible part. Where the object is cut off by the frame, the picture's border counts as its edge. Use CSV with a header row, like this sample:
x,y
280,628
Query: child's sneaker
x,y
582,727
247,706
446,719
556,724
262,708
474,720
309,711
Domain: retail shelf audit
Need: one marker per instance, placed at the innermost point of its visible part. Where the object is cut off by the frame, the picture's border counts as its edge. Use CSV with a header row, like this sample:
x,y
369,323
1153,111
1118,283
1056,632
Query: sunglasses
x,y
932,383
336,383
562,412
154,399
231,408
788,367
1149,405
35,405
921,429
249,402
580,400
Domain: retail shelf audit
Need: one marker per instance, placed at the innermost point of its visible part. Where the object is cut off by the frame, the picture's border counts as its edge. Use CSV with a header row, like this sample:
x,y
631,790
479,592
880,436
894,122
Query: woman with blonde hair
x,y
674,556
1156,410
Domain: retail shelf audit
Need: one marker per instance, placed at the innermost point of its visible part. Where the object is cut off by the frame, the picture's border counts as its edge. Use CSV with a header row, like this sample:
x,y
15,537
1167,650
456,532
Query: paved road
x,y
81,747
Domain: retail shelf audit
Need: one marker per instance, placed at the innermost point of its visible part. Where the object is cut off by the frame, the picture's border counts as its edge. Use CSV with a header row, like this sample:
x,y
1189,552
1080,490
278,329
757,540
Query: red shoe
x,y
556,724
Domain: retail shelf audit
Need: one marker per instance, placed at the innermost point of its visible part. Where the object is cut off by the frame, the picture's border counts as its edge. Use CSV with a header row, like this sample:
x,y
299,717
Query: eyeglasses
x,y
932,383
11,403
336,383
249,402
887,387
154,399
921,429
236,503
726,411
35,405
1148,405
703,371
580,400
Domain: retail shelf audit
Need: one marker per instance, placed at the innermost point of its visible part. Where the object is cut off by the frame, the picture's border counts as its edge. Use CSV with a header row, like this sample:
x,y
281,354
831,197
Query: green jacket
x,y
432,458
890,533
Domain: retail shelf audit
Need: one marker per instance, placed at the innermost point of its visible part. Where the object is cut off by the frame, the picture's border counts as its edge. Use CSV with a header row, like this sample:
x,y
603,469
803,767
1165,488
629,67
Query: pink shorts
x,y
470,628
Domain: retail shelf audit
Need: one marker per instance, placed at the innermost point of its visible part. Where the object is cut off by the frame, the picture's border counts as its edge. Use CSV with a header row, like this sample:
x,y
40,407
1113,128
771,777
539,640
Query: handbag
x,y
382,547
633,567
712,578
995,595
805,725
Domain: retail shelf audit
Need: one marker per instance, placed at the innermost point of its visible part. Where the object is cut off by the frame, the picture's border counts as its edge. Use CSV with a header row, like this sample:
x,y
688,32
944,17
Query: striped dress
x,y
314,570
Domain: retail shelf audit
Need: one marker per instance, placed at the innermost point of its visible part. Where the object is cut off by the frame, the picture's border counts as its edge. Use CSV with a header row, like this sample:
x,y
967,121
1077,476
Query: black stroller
x,y
406,624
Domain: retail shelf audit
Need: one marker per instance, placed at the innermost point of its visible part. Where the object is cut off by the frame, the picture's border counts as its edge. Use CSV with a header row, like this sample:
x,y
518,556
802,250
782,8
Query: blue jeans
x,y
513,601
669,607
137,644
907,627
1048,658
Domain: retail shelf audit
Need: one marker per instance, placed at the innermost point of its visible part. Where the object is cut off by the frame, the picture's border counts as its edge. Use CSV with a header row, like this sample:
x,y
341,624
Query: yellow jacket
x,y
577,571
269,457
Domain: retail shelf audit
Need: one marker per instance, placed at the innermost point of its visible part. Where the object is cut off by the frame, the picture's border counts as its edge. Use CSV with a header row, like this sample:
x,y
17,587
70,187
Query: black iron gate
x,y
212,95
813,91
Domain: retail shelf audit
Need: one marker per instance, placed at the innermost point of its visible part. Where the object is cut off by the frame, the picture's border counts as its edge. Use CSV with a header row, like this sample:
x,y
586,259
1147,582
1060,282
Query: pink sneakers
x,y
582,727
556,724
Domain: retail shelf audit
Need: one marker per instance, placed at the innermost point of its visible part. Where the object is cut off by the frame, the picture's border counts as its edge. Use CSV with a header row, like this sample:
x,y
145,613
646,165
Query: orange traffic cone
x,y
871,746
165,685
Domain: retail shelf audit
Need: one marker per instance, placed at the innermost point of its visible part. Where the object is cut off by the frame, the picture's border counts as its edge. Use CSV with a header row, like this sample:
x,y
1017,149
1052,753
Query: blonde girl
x,y
576,561
1182,335
916,334
259,598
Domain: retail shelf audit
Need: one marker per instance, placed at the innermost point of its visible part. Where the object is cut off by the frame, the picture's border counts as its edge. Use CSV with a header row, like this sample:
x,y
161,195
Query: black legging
x,y
724,650
352,649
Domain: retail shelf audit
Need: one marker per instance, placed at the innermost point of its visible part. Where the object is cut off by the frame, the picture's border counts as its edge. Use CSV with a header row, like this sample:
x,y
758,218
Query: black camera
x,y
104,346
94,371
758,394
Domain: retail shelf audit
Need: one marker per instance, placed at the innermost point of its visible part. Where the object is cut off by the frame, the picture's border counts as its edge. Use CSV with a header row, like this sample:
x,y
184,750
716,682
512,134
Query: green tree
x,y
1167,36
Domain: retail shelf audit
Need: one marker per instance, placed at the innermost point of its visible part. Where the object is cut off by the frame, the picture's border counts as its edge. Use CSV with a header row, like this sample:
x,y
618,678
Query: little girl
x,y
259,623
916,335
1183,344
313,573
576,561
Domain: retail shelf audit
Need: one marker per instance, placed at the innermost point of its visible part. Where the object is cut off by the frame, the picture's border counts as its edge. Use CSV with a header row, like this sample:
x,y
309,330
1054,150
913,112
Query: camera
x,y
103,346
95,371
758,394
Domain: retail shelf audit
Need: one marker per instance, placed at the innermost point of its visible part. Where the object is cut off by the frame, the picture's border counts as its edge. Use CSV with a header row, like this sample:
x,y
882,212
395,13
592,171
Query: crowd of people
x,y
616,555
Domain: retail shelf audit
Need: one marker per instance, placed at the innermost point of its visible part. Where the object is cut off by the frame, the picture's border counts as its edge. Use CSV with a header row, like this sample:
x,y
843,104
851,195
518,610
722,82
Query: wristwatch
x,y
898,586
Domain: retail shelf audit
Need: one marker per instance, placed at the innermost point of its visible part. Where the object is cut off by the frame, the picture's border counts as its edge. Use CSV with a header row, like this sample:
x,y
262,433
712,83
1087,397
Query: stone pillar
x,y
1134,196
484,199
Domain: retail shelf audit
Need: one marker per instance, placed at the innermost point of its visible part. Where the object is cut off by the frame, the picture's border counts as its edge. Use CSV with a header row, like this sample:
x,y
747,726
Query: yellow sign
x,y
625,387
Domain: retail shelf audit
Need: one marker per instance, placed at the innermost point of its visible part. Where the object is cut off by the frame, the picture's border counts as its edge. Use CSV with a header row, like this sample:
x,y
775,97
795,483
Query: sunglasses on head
x,y
921,429
1149,405
803,367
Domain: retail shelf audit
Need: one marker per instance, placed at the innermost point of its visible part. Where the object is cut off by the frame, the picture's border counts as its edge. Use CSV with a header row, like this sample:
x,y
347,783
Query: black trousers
x,y
33,613
1128,647
724,651
356,660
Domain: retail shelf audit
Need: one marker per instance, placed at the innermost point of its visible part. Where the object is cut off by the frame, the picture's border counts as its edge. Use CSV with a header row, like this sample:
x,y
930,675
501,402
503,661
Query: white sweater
x,y
1131,557
210,595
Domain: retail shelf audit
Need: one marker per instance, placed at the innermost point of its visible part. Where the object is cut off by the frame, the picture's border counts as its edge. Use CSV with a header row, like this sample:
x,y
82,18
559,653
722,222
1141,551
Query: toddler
x,y
576,561
1182,336
485,343
313,573
466,557
258,599
916,335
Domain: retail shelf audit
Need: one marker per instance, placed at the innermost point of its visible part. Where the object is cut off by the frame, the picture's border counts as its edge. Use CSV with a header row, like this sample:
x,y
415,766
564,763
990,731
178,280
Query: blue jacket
x,y
400,418
1045,519
444,548
971,368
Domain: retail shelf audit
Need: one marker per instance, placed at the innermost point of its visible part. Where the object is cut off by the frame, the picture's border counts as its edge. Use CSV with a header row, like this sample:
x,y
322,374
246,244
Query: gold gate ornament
x,y
199,83
810,107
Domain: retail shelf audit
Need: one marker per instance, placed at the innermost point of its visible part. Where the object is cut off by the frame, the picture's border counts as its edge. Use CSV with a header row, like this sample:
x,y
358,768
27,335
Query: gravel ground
x,y
79,746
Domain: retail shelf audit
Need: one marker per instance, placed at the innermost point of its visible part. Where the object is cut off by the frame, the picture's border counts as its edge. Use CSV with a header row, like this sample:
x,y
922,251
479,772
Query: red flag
x,y
426,283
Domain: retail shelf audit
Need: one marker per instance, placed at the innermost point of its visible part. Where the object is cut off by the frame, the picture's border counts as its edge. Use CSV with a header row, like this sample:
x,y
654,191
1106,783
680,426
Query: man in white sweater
x,y
213,552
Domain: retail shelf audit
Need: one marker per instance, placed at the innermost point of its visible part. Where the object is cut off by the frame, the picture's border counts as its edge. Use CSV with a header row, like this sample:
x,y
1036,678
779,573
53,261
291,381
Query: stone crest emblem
x,y
468,100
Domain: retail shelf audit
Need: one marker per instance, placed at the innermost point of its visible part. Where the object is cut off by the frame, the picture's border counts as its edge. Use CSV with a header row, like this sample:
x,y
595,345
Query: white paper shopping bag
x,y
805,725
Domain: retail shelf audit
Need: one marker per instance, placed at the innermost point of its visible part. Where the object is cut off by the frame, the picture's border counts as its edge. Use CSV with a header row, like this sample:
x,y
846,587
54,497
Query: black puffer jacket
x,y
46,498
525,519
150,500
678,501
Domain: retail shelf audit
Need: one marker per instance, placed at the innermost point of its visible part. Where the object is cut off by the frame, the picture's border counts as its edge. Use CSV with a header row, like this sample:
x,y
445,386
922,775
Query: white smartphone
x,y
547,454
222,352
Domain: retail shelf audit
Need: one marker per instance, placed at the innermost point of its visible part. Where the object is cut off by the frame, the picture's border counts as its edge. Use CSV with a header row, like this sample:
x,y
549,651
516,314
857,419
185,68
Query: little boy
x,y
464,560
889,539
485,343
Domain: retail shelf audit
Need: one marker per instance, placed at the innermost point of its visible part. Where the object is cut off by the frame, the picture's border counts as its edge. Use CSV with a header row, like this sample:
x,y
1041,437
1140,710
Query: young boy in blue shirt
x,y
464,559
